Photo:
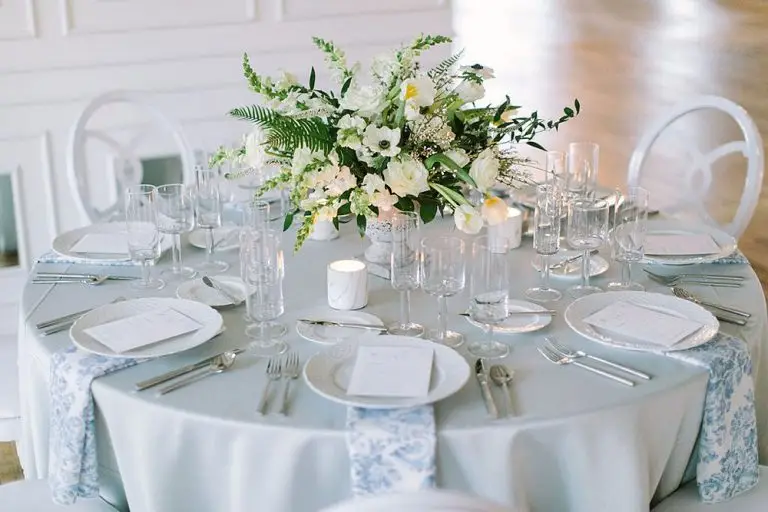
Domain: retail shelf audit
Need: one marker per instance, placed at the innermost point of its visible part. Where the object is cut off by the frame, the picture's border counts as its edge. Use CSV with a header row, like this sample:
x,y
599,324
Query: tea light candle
x,y
510,232
347,284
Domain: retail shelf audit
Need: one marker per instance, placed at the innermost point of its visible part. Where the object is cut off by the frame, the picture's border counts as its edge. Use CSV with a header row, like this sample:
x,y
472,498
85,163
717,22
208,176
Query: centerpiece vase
x,y
379,232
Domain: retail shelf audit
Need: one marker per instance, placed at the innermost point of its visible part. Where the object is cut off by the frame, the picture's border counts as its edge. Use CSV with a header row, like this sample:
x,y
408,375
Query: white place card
x,y
102,243
391,372
680,245
142,329
641,323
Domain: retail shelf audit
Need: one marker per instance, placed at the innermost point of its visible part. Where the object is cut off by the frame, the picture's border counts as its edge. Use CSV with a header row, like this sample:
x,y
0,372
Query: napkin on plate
x,y
52,257
72,465
727,445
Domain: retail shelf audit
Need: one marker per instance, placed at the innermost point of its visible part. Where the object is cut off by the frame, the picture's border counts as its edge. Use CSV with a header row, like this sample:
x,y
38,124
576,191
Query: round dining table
x,y
575,441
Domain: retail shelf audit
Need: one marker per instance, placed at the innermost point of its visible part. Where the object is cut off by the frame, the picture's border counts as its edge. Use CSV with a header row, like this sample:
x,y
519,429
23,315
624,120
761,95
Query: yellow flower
x,y
494,211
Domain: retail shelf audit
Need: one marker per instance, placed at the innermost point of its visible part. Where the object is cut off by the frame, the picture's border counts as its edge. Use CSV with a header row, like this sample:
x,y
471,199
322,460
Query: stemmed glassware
x,y
143,234
587,230
443,274
628,235
405,269
581,178
489,290
208,216
261,261
546,238
176,215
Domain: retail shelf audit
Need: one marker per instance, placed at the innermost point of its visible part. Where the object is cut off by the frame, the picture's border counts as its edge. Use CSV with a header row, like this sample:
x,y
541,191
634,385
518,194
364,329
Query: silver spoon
x,y
207,281
219,364
501,377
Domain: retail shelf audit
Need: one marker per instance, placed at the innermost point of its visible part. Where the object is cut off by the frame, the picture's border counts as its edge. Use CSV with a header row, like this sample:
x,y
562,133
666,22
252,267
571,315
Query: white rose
x,y
494,211
406,177
383,200
484,170
373,183
314,199
382,140
326,213
467,219
255,150
366,100
418,91
458,155
469,91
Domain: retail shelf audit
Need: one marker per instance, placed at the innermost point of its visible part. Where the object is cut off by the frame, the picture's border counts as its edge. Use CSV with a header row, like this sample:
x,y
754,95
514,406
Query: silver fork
x,y
273,373
695,276
554,357
290,372
574,354
717,281
685,294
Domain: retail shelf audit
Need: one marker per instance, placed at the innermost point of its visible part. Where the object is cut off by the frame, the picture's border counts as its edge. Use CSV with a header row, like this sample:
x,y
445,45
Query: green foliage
x,y
334,56
258,84
441,74
288,133
426,41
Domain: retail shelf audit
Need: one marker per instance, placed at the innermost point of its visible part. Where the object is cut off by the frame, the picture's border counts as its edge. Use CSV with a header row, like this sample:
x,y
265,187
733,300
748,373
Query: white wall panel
x,y
291,10
17,19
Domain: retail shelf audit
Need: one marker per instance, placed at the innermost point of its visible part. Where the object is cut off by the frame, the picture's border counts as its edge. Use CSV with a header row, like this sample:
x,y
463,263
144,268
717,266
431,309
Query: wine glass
x,y
208,216
489,290
405,269
442,274
143,235
261,266
176,215
628,235
581,177
587,230
546,238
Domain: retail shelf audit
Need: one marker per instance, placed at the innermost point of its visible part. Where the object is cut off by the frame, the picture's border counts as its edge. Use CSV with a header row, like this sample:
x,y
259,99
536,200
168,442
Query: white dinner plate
x,y
597,265
668,304
329,335
227,235
196,290
519,323
63,244
725,241
207,317
328,373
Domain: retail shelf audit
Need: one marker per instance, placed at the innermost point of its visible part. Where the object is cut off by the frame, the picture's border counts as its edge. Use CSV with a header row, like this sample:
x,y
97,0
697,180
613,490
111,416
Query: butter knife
x,y
482,379
330,323
165,377
566,261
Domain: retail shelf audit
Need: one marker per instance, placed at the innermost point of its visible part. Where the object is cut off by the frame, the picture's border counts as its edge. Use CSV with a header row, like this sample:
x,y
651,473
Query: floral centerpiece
x,y
406,138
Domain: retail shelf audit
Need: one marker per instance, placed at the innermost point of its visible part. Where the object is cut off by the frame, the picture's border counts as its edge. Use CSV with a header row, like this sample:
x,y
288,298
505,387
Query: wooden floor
x,y
627,61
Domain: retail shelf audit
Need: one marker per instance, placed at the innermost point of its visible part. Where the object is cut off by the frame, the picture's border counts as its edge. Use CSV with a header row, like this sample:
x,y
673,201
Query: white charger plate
x,y
207,317
597,265
196,290
328,373
330,335
519,323
197,238
62,244
668,304
725,241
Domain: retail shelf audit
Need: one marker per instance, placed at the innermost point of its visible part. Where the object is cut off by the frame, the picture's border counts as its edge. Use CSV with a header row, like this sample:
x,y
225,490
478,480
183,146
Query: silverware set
x,y
739,317
279,368
500,376
64,322
715,280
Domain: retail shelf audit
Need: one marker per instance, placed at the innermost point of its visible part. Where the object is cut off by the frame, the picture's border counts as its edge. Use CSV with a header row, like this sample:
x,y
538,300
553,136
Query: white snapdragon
x,y
380,197
458,155
373,183
467,219
417,93
494,211
255,149
315,199
384,66
365,155
366,100
350,133
327,212
382,140
484,170
286,80
406,176
343,181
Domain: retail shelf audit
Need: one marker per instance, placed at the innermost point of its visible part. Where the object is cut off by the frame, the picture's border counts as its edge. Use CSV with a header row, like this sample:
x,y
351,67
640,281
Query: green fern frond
x,y
445,66
255,114
289,134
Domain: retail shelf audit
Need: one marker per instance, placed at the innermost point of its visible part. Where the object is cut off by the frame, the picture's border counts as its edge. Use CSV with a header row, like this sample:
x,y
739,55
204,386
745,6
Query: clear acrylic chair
x,y
419,501
126,162
686,186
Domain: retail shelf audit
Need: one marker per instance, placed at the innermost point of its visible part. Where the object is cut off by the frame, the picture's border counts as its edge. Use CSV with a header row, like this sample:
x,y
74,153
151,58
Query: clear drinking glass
x,y
442,274
581,178
261,261
208,216
143,235
546,238
176,215
405,269
555,168
628,235
587,229
489,291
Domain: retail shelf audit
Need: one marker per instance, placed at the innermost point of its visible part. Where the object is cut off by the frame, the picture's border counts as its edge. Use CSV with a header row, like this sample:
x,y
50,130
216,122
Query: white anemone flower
x,y
382,140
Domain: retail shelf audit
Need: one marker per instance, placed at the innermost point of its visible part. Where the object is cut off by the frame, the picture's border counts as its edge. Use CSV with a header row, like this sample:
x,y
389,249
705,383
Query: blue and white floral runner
x,y
391,450
727,447
72,466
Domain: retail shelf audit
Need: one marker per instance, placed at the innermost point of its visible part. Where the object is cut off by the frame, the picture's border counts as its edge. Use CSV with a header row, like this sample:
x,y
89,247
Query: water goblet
x,y
176,215
546,239
143,234
628,235
489,291
443,274
587,230
405,275
208,216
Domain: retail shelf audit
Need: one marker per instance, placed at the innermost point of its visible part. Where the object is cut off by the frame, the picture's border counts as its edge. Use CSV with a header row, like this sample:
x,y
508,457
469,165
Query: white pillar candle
x,y
347,284
509,233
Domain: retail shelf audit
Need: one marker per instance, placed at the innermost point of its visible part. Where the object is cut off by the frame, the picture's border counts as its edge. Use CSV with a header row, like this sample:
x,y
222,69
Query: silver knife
x,y
343,324
522,313
482,379
53,275
566,261
165,377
